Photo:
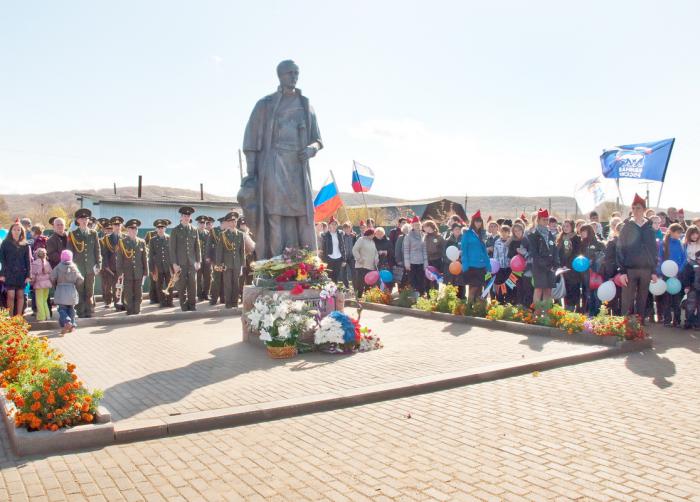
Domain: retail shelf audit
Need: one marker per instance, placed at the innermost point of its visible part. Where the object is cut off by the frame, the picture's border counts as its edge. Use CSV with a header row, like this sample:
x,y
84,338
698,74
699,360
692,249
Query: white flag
x,y
590,194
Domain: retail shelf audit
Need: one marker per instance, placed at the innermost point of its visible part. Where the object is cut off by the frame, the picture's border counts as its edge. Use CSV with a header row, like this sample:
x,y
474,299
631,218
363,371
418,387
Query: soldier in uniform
x,y
230,257
204,273
110,246
102,223
186,256
153,296
216,292
247,275
85,246
106,275
132,265
159,262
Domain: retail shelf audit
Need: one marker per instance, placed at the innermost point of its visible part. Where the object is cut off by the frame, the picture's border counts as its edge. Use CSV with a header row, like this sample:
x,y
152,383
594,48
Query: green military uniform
x,y
185,253
109,244
204,272
230,255
160,264
132,265
152,289
216,292
87,256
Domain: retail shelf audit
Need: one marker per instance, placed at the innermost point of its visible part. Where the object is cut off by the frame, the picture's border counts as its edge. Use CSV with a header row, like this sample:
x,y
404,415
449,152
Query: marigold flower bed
x,y
45,391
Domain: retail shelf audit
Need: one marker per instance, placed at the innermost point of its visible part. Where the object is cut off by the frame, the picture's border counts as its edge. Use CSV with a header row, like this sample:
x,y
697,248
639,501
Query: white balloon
x,y
657,288
607,291
452,253
669,268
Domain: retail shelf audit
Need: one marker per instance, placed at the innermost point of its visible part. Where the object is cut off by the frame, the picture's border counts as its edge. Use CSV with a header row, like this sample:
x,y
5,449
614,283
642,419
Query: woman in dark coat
x,y
518,245
15,272
569,247
385,249
545,258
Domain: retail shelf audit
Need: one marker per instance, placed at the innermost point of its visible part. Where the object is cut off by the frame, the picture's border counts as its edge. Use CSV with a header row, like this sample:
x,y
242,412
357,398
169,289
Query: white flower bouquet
x,y
280,321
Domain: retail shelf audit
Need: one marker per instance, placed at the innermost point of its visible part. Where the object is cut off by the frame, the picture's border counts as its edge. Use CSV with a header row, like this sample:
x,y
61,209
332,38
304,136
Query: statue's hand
x,y
307,153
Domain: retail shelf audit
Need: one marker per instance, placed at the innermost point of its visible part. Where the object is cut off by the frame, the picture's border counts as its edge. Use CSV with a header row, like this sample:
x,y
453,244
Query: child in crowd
x,y
569,247
491,237
692,243
454,239
672,249
592,249
500,254
39,239
518,245
690,278
66,278
41,282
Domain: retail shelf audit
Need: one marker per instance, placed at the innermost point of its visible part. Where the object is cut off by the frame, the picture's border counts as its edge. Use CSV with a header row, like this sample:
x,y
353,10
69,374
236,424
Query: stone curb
x,y
509,326
140,318
98,434
139,430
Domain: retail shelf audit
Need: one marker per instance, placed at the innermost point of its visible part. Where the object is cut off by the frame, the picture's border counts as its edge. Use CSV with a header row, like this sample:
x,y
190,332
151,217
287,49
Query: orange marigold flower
x,y
36,395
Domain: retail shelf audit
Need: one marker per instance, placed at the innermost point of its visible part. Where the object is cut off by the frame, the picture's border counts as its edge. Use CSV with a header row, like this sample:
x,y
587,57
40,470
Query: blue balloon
x,y
3,233
673,286
581,263
386,276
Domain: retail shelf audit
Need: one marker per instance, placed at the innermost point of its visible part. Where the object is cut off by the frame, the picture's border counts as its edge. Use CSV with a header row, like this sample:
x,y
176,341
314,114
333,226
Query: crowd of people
x,y
202,262
208,262
629,250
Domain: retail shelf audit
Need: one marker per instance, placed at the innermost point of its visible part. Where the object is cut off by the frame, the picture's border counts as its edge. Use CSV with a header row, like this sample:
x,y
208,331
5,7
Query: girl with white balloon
x,y
672,258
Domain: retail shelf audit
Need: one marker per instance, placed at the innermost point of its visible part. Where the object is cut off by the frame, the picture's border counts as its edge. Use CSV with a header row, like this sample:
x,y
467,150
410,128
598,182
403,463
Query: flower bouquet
x,y
338,333
295,270
280,322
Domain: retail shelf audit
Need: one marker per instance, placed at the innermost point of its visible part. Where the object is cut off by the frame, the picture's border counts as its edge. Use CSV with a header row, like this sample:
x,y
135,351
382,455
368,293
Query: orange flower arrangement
x,y
45,391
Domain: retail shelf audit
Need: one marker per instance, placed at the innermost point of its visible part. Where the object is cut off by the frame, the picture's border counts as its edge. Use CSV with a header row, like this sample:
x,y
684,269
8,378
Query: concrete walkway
x,y
177,367
622,428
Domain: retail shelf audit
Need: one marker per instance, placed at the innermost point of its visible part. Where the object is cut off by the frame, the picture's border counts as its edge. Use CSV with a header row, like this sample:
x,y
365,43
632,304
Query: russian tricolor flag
x,y
328,200
362,177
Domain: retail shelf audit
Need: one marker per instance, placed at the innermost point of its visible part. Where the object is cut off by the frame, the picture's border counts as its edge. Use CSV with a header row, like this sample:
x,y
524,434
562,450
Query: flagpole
x,y
658,203
619,192
347,218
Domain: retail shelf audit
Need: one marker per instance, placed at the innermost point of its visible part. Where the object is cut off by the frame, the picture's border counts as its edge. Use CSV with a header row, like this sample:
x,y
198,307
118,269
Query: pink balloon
x,y
517,263
371,277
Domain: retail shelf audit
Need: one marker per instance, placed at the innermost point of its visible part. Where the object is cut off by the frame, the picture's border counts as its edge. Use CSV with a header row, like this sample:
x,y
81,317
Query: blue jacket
x,y
474,252
675,253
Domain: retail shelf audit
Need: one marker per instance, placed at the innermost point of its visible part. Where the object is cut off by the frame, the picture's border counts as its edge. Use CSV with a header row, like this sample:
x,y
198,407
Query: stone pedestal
x,y
311,296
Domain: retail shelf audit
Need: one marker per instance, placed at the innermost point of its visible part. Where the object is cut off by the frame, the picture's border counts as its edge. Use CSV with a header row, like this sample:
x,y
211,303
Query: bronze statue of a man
x,y
281,136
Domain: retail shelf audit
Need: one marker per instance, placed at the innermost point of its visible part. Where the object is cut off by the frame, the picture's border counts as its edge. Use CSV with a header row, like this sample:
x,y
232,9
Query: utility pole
x,y
466,200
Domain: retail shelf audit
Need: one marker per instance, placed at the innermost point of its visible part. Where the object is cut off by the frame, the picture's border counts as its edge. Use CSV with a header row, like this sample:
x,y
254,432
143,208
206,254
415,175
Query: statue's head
x,y
288,73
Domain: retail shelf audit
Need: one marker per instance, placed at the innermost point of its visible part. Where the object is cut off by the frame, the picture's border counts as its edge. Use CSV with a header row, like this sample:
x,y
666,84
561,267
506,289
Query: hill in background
x,y
40,206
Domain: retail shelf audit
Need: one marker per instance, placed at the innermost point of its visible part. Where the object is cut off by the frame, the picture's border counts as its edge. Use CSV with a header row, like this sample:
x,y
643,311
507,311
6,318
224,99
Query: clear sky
x,y
488,98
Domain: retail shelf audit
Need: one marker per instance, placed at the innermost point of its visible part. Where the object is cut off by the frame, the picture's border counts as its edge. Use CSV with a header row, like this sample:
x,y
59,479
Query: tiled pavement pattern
x,y
175,367
621,428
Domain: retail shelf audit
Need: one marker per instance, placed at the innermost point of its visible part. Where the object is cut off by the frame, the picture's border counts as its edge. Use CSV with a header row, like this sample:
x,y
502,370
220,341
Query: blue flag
x,y
644,161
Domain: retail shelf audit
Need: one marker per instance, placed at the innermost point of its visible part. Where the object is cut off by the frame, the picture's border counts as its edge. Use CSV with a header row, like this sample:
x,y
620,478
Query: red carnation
x,y
297,289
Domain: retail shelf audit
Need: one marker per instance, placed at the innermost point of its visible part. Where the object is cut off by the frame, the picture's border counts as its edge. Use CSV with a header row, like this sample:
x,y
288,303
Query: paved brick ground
x,y
158,369
615,429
